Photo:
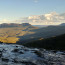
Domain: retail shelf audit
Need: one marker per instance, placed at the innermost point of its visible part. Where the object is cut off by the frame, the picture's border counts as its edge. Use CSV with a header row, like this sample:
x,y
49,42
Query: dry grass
x,y
10,35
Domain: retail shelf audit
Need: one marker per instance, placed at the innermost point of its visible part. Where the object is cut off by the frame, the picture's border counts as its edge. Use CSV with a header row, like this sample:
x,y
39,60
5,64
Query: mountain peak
x,y
63,24
26,24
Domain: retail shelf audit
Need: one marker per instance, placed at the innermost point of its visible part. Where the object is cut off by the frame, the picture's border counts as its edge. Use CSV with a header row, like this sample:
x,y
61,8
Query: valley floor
x,y
13,54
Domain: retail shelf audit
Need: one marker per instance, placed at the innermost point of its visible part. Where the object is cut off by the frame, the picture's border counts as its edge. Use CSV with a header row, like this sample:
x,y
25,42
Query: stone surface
x,y
13,54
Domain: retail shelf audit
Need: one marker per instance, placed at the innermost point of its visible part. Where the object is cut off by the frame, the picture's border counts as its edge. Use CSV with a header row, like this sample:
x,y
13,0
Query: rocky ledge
x,y
12,54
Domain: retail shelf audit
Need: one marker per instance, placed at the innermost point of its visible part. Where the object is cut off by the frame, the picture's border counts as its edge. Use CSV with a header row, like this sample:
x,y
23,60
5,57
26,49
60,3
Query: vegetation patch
x,y
55,43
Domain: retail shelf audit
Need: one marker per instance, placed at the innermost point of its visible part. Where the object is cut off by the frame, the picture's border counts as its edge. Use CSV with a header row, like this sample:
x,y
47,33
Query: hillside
x,y
45,32
63,24
55,43
9,33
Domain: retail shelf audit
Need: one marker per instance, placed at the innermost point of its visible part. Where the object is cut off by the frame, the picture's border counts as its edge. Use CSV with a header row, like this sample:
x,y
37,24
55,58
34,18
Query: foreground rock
x,y
13,54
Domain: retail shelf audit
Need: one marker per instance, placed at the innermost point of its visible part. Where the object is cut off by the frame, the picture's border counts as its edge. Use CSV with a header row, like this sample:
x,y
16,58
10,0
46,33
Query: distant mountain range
x,y
40,26
5,25
63,24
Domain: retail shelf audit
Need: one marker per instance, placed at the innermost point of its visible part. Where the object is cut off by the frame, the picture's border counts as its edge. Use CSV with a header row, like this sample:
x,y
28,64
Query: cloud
x,y
52,18
4,21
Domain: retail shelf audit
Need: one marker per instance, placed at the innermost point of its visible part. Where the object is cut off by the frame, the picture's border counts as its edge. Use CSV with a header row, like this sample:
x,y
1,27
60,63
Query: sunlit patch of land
x,y
11,34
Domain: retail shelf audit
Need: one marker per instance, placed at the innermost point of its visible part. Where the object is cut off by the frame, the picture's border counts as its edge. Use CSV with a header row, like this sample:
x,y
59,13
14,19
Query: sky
x,y
15,9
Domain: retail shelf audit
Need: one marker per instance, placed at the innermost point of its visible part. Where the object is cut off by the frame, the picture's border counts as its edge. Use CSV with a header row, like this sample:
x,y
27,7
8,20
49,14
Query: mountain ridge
x,y
5,25
63,24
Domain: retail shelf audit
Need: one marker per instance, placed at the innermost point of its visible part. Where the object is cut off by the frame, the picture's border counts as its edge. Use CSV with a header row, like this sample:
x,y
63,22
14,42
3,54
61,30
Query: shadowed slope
x,y
56,43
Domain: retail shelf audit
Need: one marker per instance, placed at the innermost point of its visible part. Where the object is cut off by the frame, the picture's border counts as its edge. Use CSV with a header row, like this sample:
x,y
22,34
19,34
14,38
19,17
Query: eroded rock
x,y
15,50
5,59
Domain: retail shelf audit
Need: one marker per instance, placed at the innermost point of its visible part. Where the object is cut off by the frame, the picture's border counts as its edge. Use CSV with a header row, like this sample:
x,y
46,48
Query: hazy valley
x,y
32,45
32,32
23,33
